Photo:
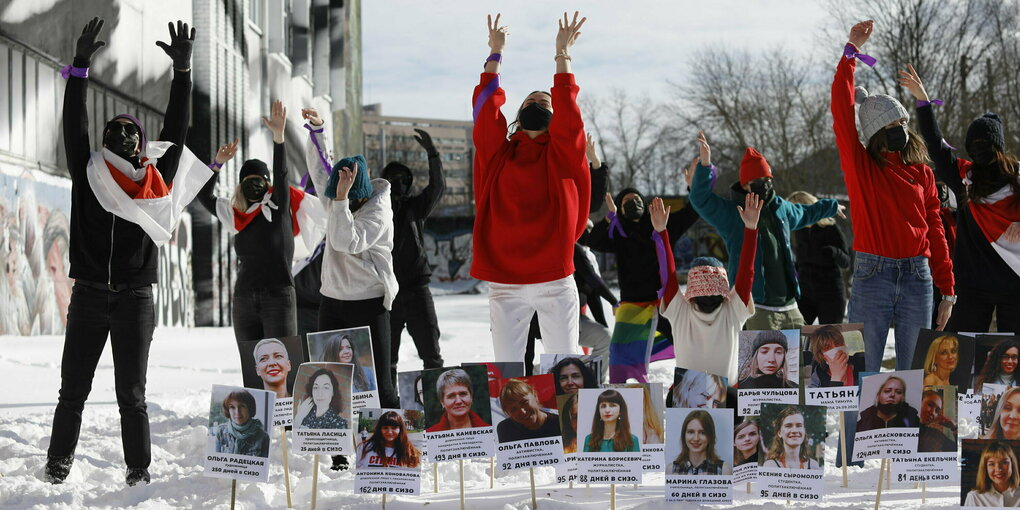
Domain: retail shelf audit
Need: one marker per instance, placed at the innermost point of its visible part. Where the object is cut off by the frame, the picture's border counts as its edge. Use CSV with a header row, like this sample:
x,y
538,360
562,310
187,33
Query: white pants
x,y
512,306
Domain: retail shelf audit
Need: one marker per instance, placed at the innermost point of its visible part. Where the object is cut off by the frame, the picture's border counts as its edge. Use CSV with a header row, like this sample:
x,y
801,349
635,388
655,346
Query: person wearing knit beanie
x,y
877,111
766,366
985,137
776,287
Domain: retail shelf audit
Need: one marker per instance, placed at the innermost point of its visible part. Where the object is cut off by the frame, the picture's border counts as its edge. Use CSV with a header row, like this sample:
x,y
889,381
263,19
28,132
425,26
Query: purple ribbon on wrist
x,y
77,72
216,165
937,102
850,52
660,251
614,225
322,156
498,57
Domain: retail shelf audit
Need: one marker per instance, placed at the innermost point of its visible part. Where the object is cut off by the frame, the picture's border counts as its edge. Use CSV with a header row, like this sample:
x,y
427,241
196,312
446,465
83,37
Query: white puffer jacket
x,y
358,260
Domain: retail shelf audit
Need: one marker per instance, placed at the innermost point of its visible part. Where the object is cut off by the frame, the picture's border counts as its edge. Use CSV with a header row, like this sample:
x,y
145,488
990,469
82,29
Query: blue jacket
x,y
722,214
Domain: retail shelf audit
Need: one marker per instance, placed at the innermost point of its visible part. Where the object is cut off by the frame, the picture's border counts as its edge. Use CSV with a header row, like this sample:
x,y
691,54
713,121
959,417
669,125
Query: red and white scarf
x,y
140,195
994,215
308,217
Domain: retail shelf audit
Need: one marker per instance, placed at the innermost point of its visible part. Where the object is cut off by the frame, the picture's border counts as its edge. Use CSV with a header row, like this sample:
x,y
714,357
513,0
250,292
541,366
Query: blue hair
x,y
362,187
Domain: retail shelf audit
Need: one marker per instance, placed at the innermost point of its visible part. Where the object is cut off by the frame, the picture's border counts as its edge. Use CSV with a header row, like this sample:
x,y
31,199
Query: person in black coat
x,y
821,256
413,306
114,258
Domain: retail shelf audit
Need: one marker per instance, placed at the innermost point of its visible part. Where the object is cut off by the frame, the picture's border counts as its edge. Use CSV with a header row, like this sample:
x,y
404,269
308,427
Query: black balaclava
x,y
122,140
985,137
254,190
534,117
764,188
896,138
633,209
400,178
708,304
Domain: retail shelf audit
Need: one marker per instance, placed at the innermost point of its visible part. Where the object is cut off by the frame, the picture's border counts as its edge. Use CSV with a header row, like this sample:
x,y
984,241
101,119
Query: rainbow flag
x,y
632,343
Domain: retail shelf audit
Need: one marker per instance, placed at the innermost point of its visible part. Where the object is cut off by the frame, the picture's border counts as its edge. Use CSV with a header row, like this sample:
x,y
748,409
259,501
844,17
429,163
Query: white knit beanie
x,y
877,111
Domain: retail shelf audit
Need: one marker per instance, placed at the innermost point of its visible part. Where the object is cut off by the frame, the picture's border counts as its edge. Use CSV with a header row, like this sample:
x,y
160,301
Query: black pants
x,y
128,317
264,313
827,307
336,314
973,311
413,307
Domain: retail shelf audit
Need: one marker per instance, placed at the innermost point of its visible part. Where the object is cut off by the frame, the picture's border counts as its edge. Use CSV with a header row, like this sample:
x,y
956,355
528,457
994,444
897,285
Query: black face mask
x,y
764,189
254,189
896,138
534,118
981,152
633,209
122,139
400,184
707,304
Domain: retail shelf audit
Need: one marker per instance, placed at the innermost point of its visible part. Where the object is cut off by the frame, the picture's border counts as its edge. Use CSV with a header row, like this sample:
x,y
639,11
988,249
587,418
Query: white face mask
x,y
832,353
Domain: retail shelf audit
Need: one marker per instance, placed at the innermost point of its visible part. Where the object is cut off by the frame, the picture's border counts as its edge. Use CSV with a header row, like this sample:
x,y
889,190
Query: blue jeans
x,y
887,290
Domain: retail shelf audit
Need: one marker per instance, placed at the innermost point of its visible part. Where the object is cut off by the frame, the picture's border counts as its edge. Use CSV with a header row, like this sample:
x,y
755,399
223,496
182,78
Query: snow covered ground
x,y
184,363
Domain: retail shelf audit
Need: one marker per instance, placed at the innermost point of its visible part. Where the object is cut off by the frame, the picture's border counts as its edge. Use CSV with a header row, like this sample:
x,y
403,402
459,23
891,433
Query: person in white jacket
x,y
358,283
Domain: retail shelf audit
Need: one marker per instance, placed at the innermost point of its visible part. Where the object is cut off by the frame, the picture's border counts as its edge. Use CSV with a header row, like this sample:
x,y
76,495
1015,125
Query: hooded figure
x,y
776,288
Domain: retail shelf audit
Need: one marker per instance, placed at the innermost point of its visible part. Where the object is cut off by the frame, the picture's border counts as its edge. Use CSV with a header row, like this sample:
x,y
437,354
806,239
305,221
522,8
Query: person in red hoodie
x,y
898,235
532,192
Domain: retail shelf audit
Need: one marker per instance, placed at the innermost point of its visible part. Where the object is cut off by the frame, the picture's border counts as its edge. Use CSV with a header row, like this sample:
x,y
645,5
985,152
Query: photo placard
x,y
271,364
791,466
323,418
888,424
457,414
389,456
610,421
769,369
237,446
351,346
699,445
833,361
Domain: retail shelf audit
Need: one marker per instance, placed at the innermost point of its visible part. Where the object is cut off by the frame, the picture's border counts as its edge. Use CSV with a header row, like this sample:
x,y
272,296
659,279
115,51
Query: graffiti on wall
x,y
34,235
448,247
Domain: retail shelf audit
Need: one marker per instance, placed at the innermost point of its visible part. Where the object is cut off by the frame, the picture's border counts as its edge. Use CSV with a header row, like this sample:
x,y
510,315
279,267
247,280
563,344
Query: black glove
x,y
179,48
425,141
87,44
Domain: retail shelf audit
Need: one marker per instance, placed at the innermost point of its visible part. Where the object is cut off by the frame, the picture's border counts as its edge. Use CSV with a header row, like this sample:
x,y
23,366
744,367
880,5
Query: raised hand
x,y
610,203
425,140
860,33
659,213
706,150
751,211
589,150
88,44
226,152
912,82
277,121
497,35
1012,233
181,41
311,116
345,182
568,33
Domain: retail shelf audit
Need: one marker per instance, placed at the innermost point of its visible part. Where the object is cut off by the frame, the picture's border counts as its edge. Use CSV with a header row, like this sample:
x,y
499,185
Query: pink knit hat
x,y
706,281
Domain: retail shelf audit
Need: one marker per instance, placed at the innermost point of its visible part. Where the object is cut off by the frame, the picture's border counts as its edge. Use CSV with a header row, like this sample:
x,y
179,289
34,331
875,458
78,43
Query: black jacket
x,y
104,248
869,420
821,256
264,248
410,264
636,262
976,264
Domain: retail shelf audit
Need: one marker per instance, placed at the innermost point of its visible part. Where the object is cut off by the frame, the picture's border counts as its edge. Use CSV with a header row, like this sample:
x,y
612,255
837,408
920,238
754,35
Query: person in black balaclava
x,y
260,214
983,243
413,306
124,203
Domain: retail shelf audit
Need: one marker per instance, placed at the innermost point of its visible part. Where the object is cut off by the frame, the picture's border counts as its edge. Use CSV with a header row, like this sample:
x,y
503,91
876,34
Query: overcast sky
x,y
422,59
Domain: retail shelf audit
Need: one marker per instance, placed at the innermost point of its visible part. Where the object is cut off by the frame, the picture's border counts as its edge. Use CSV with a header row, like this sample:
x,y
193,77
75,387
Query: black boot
x,y
136,475
57,468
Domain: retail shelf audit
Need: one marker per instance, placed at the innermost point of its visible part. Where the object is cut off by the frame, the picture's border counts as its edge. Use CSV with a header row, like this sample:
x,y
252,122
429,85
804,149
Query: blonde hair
x,y
996,449
933,350
238,201
805,198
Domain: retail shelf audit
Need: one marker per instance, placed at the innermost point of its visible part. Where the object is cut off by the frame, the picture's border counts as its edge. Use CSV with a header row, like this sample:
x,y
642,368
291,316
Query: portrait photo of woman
x,y
525,416
243,433
698,448
567,405
945,358
1000,365
455,392
611,424
1006,421
694,389
891,407
789,446
571,374
345,346
832,363
746,441
766,365
324,403
389,445
997,478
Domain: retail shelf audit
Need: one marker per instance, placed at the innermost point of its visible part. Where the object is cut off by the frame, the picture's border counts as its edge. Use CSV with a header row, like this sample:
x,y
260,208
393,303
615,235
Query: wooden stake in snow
x,y
435,477
461,484
842,445
233,493
315,480
612,497
286,465
881,475
924,487
534,501
492,471
384,501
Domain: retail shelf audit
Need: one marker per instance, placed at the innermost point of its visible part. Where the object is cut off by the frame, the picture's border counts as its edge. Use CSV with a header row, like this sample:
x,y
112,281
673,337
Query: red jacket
x,y
444,423
895,209
531,195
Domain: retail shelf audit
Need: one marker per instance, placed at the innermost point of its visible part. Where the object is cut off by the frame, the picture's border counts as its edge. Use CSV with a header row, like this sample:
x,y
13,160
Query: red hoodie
x,y
531,195
895,209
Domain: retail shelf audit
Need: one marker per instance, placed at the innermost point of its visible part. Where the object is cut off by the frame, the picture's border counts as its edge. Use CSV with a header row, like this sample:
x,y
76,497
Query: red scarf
x,y
242,219
152,186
